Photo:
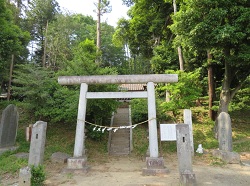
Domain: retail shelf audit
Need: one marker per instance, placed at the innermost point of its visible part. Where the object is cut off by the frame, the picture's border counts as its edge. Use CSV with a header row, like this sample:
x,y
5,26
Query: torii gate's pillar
x,y
152,125
79,149
155,164
79,161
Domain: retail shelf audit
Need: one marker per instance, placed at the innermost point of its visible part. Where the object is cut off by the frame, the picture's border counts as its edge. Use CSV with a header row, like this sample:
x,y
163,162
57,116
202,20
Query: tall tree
x,y
223,28
102,7
38,14
181,60
147,28
13,40
66,32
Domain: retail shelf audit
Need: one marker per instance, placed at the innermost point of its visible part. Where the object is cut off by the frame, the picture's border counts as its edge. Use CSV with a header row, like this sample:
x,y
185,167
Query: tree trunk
x,y
10,78
225,95
181,61
211,92
98,30
45,43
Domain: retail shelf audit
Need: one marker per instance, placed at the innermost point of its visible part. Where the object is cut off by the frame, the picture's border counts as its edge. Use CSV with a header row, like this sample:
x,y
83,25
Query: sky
x,y
86,7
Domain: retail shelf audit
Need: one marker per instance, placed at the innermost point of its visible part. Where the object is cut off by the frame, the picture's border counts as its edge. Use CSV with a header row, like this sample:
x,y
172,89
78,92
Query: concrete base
x,y
77,164
187,179
2,150
155,166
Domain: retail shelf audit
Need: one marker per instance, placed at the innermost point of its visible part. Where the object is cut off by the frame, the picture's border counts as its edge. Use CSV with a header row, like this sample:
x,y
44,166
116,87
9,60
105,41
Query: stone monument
x,y
8,128
225,151
187,177
224,132
37,144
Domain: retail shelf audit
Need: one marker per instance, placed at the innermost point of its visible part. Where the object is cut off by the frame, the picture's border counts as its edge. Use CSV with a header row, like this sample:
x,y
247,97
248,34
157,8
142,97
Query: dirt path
x,y
126,171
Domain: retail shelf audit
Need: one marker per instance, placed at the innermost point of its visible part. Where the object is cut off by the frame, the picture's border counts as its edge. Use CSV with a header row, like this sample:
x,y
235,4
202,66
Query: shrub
x,y
37,175
183,93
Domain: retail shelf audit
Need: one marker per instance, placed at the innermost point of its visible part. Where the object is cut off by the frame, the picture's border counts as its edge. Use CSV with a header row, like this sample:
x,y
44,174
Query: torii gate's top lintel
x,y
118,79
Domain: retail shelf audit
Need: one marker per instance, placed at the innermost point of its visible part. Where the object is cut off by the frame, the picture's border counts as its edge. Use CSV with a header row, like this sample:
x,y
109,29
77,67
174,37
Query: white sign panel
x,y
168,132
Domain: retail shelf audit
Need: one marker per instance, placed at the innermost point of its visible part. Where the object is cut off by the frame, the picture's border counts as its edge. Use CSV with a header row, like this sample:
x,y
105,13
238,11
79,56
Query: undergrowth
x,y
60,137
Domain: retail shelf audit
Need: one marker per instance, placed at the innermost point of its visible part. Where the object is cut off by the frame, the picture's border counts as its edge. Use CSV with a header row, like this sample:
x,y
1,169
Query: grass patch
x,y
9,163
140,140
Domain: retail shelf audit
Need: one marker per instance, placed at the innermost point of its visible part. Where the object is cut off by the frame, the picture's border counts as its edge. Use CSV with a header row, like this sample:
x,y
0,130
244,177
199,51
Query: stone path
x,y
120,140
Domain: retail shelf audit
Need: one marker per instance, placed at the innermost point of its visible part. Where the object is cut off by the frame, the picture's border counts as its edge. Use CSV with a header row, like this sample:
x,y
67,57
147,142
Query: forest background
x,y
205,42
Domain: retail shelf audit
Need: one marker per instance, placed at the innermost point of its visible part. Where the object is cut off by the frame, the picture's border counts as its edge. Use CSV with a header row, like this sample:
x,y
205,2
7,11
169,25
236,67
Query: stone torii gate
x,y
79,159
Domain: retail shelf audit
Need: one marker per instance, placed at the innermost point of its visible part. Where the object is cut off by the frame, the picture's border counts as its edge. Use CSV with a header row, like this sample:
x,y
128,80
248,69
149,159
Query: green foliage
x,y
146,26
184,93
64,34
9,163
38,14
44,98
244,146
164,58
13,40
222,28
37,175
139,110
241,100
140,140
35,86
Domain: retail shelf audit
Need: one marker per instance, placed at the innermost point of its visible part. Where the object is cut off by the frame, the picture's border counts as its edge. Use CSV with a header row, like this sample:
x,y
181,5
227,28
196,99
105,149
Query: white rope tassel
x,y
134,126
103,130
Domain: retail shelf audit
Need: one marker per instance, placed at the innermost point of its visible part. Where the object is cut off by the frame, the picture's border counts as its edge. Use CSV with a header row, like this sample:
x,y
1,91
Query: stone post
x,y
155,164
225,151
79,149
24,177
79,161
37,144
225,132
187,177
152,125
188,120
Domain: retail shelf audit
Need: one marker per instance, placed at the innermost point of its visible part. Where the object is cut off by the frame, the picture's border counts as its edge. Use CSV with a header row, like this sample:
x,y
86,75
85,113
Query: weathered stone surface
x,y
59,157
183,148
77,163
187,177
22,155
187,113
224,132
8,126
37,144
228,157
155,166
25,177
155,163
2,150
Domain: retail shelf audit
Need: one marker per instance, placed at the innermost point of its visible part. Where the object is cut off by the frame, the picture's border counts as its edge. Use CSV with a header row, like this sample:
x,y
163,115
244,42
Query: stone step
x,y
119,145
120,136
121,122
123,145
119,153
120,140
121,131
117,150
